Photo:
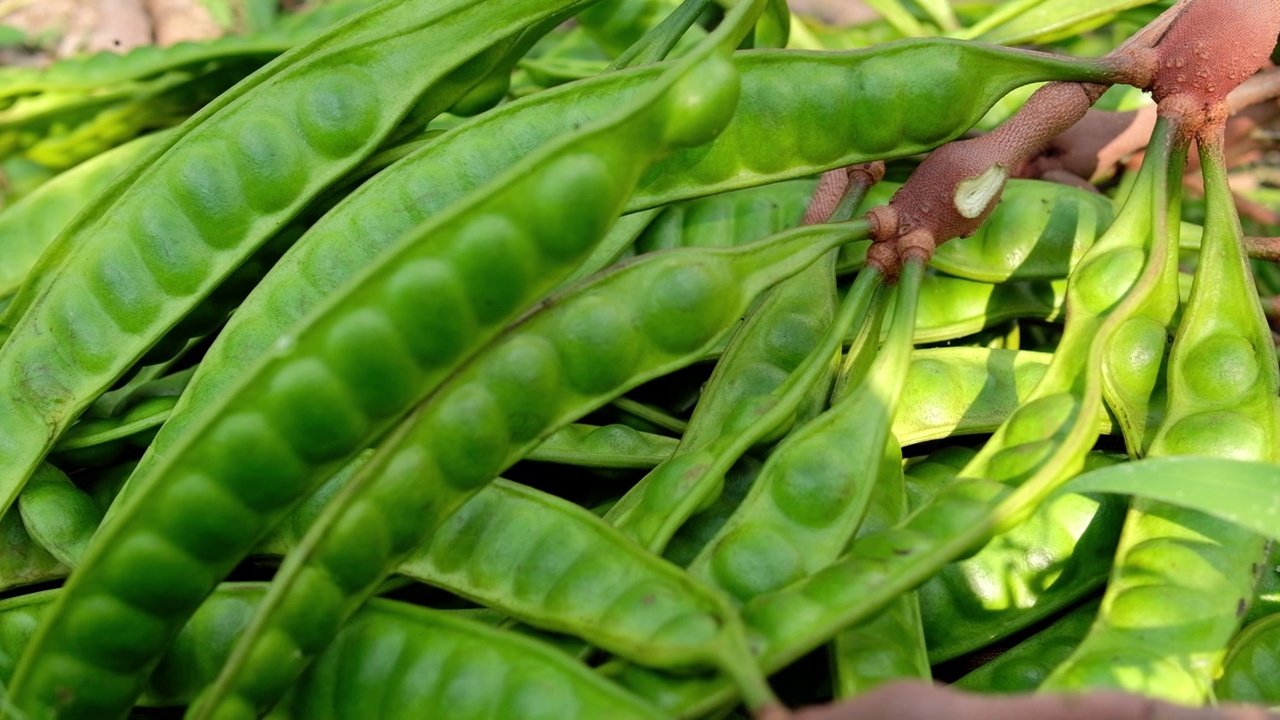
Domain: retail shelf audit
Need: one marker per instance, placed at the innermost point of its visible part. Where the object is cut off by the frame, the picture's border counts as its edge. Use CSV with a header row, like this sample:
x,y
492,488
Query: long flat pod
x,y
342,379
891,645
460,668
813,491
28,226
394,661
1060,554
1251,670
557,566
575,353
1024,667
653,510
1033,453
750,151
91,72
339,381
1182,579
167,231
774,341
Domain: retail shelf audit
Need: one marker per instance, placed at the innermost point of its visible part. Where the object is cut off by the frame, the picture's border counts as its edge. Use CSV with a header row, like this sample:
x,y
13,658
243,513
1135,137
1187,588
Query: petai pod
x,y
1182,579
576,351
604,446
955,391
169,229
1060,554
394,661
339,381
891,645
780,337
1251,670
952,307
30,225
1038,231
445,450
1023,667
813,491
92,72
420,185
1034,452
554,565
727,219
401,662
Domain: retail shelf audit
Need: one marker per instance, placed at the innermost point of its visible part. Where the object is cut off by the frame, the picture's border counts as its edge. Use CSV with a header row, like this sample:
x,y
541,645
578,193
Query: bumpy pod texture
x,y
1213,46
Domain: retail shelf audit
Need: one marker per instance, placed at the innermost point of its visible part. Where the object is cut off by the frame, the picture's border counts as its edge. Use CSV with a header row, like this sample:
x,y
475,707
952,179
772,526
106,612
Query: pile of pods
x,y
469,359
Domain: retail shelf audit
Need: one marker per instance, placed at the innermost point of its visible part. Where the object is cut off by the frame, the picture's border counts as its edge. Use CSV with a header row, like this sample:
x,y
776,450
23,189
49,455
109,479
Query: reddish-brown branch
x,y
1191,58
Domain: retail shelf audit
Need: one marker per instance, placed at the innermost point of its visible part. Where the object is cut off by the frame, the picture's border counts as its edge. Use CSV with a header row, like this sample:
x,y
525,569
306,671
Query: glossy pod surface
x,y
578,350
394,661
166,232
1038,448
412,190
1252,667
1182,579
320,397
30,225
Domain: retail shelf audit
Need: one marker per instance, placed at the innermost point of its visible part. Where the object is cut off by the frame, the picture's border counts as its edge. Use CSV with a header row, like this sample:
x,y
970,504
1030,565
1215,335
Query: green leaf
x,y
1049,19
1243,492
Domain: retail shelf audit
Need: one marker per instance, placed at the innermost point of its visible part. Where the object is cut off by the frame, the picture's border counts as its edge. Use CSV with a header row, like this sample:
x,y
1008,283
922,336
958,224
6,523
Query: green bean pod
x,y
1060,554
747,152
394,661
460,668
1182,579
952,307
164,234
891,645
91,72
776,338
824,133
1133,375
29,226
136,425
653,510
1042,445
57,514
1047,563
576,352
1039,231
926,476
557,566
607,446
956,391
1023,667
23,560
62,515
63,129
814,489
728,219
338,382
1251,670
694,534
